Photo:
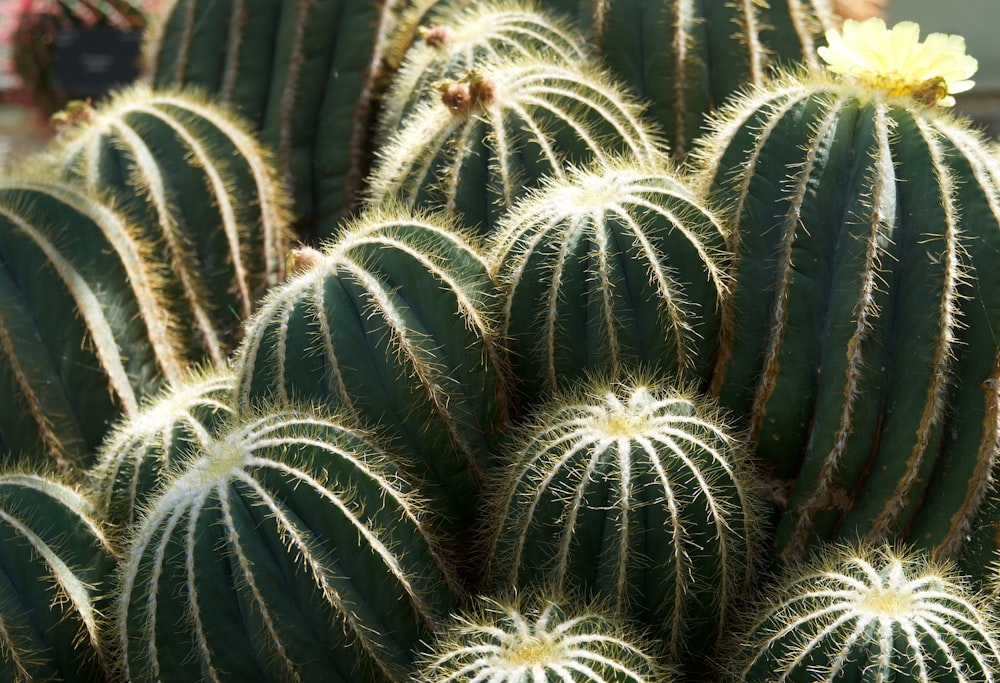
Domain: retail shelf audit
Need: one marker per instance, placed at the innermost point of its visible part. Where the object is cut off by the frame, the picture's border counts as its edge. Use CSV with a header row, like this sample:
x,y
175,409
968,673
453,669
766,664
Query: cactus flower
x,y
897,62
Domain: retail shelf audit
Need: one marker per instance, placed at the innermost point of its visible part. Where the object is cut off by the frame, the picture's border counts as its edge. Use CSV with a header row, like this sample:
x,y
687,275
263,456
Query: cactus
x,y
192,177
687,58
305,71
287,550
866,227
613,265
143,449
454,42
53,578
85,328
493,134
876,614
394,324
543,639
638,494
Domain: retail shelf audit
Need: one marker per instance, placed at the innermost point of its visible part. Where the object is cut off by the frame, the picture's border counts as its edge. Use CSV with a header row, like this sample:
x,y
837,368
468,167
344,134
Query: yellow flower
x,y
896,62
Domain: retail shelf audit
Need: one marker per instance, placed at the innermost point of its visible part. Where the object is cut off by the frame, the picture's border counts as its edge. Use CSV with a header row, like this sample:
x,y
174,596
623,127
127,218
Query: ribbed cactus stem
x,y
617,264
635,493
288,550
870,614
542,639
534,119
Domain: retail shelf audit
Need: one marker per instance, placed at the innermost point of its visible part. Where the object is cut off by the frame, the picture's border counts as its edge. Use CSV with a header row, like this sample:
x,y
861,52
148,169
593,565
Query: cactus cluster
x,y
586,369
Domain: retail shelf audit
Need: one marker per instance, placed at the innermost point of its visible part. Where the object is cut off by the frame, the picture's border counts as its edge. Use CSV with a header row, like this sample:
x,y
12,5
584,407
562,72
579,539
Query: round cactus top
x,y
895,61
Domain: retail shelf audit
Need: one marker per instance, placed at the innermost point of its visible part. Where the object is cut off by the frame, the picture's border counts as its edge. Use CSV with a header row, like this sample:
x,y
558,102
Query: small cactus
x,y
638,494
494,133
544,640
614,265
877,614
288,549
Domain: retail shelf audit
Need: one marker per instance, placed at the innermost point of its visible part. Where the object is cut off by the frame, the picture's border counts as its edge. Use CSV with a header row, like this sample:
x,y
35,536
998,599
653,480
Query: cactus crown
x,y
896,62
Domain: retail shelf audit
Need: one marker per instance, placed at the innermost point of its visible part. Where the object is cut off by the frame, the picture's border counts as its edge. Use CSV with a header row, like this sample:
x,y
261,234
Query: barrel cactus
x,y
636,493
289,549
86,326
191,176
395,324
860,332
494,133
875,614
541,639
614,265
54,573
142,450
453,42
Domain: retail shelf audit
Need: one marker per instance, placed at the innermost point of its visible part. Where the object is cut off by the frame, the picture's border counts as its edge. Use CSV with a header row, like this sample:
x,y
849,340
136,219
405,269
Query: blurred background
x,y
24,114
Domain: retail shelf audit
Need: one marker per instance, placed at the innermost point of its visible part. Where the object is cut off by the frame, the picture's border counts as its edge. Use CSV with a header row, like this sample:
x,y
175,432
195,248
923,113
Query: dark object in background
x,y
91,62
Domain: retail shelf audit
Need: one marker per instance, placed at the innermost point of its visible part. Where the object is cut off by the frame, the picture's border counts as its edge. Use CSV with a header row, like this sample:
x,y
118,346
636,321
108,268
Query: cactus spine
x,y
288,550
615,265
394,324
85,326
865,224
543,640
53,583
495,133
876,614
143,449
639,495
194,179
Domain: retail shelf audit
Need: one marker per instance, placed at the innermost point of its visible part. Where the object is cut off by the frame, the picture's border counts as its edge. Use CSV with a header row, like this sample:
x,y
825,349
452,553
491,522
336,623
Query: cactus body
x,y
451,44
140,453
192,177
635,494
495,133
54,572
688,57
287,551
615,265
859,338
393,323
875,615
520,643
85,328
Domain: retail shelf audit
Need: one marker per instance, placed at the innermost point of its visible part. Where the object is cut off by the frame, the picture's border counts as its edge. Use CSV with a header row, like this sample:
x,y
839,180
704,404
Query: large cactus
x,y
539,639
85,327
55,572
192,178
394,323
306,71
860,335
288,550
638,494
869,615
496,132
614,265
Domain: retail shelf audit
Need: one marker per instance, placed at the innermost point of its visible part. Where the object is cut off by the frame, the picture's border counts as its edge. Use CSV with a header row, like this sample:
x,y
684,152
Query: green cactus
x,y
495,133
451,43
191,176
869,615
614,265
54,588
85,326
142,450
305,72
287,550
395,324
638,494
543,639
860,337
